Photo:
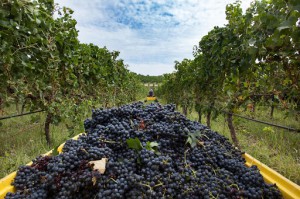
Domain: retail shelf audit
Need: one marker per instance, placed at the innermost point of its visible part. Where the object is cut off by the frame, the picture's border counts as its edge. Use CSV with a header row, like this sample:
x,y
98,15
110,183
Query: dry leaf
x,y
200,143
94,180
43,179
99,165
142,125
82,149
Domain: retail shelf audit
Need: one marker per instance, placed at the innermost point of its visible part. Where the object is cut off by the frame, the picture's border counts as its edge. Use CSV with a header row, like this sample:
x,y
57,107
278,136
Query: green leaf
x,y
38,21
282,27
153,146
189,140
6,154
150,145
134,143
193,138
24,63
251,41
287,23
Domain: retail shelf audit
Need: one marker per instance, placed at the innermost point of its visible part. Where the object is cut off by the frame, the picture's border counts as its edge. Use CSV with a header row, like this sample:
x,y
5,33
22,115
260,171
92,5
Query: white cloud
x,y
152,68
150,35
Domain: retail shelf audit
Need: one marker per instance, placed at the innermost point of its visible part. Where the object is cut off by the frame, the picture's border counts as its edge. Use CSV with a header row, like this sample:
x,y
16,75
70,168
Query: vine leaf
x,y
134,143
193,139
152,146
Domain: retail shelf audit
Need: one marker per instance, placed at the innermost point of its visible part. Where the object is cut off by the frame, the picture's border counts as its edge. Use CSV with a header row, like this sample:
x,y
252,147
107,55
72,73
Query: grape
x,y
174,169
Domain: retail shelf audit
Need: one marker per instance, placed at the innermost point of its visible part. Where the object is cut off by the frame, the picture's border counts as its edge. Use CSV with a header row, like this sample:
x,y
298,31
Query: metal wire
x,y
19,115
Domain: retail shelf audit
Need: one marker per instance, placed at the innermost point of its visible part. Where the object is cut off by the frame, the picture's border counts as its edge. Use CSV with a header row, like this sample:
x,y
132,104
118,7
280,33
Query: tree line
x,y
150,78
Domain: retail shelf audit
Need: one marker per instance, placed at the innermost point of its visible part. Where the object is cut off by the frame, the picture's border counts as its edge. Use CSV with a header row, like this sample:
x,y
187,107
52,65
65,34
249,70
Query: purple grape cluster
x,y
162,164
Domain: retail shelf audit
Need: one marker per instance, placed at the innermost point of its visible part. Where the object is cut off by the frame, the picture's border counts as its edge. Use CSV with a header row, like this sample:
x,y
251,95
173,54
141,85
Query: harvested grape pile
x,y
152,152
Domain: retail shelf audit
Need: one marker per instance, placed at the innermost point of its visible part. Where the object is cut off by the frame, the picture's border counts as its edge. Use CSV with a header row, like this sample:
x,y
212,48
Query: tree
x,y
45,65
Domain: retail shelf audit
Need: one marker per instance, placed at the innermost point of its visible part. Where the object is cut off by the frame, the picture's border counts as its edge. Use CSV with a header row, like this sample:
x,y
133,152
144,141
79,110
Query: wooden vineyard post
x,y
232,130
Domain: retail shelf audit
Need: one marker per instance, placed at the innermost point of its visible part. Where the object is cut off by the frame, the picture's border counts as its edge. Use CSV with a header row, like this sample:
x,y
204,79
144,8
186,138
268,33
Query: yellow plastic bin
x,y
288,189
151,98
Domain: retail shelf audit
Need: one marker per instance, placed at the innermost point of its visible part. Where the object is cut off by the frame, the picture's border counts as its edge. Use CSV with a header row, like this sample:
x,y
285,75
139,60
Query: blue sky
x,y
150,35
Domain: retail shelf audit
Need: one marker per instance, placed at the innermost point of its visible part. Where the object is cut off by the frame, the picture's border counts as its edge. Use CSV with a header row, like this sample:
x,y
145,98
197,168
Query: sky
x,y
149,34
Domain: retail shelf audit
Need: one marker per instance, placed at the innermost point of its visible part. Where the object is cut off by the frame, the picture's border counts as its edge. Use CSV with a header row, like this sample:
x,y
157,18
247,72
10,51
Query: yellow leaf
x,y
94,180
200,143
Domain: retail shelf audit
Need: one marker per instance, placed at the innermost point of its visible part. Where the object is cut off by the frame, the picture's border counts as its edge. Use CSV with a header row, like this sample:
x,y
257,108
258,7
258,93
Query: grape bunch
x,y
153,152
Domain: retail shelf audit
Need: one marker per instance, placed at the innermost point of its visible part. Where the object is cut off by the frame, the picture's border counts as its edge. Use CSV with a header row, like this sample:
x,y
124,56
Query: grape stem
x,y
146,185
113,180
235,186
157,185
109,141
185,157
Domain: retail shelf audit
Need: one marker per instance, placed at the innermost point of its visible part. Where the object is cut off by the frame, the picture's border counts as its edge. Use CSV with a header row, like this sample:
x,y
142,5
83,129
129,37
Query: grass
x,y
22,139
275,147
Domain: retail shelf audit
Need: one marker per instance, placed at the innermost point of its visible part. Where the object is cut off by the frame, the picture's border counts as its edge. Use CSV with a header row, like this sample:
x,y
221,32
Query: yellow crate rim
x,y
288,189
151,98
